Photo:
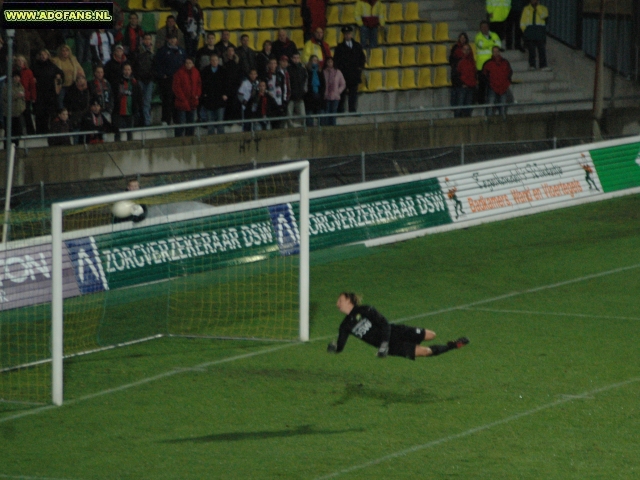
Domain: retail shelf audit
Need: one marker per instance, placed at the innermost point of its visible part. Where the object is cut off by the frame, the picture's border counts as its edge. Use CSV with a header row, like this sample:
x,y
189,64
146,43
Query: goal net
x,y
222,257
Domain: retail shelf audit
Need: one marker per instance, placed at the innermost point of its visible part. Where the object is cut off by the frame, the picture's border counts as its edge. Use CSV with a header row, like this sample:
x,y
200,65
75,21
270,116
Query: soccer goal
x,y
222,257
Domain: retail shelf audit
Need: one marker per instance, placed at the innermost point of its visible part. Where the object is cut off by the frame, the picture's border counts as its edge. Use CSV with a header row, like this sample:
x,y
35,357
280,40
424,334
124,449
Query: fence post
x,y
44,226
362,166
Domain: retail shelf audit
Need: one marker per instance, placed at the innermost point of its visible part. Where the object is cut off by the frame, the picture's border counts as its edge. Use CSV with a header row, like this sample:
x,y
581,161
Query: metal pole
x,y
44,225
7,200
7,133
598,87
462,154
362,167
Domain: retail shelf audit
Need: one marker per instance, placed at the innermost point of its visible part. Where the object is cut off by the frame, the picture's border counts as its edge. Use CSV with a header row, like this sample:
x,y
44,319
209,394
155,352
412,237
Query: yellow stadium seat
x,y
412,13
395,13
408,57
200,41
250,20
331,37
391,80
162,19
442,32
263,35
233,20
220,3
266,19
362,86
375,81
410,33
297,37
233,38
153,5
376,59
392,59
297,17
216,20
381,35
408,81
252,40
333,15
424,55
237,3
394,35
270,3
440,55
348,15
424,78
288,3
136,5
283,18
441,79
254,3
426,33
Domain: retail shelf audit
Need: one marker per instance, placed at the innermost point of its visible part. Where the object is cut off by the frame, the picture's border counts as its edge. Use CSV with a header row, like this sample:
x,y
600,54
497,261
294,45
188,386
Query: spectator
x,y
533,25
246,55
214,94
498,72
299,80
17,107
113,69
28,82
247,89
283,45
52,39
101,90
350,59
60,124
203,54
334,86
131,37
233,76
95,120
315,12
370,14
485,41
118,19
262,105
144,70
454,57
29,44
187,89
77,101
314,99
224,43
167,62
101,47
48,84
466,82
283,88
128,101
190,21
263,57
170,28
497,13
68,63
318,47
83,45
513,32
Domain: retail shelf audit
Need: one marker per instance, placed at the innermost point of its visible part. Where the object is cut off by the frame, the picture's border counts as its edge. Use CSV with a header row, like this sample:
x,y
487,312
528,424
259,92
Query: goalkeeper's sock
x,y
453,345
438,349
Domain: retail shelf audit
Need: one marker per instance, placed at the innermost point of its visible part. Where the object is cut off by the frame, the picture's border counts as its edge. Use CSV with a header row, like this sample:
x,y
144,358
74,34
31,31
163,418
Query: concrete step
x,y
441,15
515,56
533,76
519,66
556,95
432,5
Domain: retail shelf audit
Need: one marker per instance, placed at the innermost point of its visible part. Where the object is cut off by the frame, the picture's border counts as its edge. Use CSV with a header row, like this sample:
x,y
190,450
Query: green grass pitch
x,y
547,388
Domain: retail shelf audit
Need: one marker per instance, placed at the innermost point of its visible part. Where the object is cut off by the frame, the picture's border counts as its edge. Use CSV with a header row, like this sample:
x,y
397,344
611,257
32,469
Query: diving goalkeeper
x,y
370,326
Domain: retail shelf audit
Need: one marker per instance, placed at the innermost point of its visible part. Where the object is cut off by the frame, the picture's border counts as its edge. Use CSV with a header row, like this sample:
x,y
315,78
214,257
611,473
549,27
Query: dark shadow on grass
x,y
416,397
262,435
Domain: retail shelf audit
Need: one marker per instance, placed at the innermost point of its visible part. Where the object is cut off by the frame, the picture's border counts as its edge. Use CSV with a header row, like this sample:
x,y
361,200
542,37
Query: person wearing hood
x,y
187,89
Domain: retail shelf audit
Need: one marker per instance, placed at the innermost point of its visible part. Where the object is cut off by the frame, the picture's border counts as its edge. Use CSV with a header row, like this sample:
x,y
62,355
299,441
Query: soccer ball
x,y
122,209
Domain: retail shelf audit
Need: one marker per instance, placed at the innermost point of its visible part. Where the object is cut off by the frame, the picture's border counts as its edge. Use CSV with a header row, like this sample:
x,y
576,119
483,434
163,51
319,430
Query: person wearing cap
x,y
95,120
318,47
167,62
370,14
284,45
350,59
498,72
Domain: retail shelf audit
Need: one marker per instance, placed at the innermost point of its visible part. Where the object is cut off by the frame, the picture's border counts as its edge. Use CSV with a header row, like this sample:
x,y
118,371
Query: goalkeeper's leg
x,y
433,350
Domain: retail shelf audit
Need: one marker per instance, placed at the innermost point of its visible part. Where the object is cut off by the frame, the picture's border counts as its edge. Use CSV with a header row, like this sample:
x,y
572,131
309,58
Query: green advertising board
x,y
618,167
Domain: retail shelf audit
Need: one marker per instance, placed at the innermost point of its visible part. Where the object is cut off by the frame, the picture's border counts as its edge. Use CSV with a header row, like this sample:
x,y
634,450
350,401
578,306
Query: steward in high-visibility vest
x,y
498,10
370,13
533,21
485,40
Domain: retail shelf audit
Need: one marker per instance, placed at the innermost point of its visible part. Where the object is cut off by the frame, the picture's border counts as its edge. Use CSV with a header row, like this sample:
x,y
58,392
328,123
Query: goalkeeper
x,y
370,326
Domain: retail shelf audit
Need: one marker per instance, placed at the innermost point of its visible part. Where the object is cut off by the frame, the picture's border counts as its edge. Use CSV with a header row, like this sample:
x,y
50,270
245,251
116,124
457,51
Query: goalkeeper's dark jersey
x,y
367,324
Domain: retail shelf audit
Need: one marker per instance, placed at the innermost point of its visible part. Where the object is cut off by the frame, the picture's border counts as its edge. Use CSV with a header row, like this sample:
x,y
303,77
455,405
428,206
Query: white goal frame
x,y
57,210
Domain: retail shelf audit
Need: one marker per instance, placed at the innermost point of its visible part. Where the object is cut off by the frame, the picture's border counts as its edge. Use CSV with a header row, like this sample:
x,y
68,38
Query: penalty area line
x,y
553,314
481,428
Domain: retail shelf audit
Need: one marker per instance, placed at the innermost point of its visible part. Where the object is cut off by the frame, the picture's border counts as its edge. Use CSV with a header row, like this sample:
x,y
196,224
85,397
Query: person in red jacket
x,y
467,81
498,73
187,88
28,82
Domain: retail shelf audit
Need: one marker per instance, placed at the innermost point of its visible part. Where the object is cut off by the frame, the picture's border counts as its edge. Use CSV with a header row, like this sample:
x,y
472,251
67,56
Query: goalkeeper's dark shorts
x,y
403,341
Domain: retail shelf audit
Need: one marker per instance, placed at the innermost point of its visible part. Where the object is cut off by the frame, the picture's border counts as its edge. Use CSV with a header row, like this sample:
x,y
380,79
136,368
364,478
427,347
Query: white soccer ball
x,y
122,209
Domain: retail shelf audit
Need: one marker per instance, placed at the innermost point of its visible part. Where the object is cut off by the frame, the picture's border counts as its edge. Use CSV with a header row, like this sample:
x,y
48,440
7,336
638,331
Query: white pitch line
x,y
27,477
557,314
481,428
178,370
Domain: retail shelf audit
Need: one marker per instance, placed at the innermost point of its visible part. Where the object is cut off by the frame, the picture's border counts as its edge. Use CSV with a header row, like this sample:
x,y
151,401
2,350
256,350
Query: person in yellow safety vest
x,y
534,27
485,41
316,46
369,16
498,11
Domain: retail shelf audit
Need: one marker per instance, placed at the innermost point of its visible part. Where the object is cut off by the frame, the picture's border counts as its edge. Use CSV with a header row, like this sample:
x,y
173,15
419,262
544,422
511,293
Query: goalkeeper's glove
x,y
332,347
383,351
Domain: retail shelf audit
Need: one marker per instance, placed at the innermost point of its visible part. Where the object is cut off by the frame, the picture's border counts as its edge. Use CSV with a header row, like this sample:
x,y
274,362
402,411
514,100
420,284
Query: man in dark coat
x,y
167,62
49,80
350,59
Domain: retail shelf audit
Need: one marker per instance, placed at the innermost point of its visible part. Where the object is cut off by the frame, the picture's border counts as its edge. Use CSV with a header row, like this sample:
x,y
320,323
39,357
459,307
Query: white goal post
x,y
57,242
